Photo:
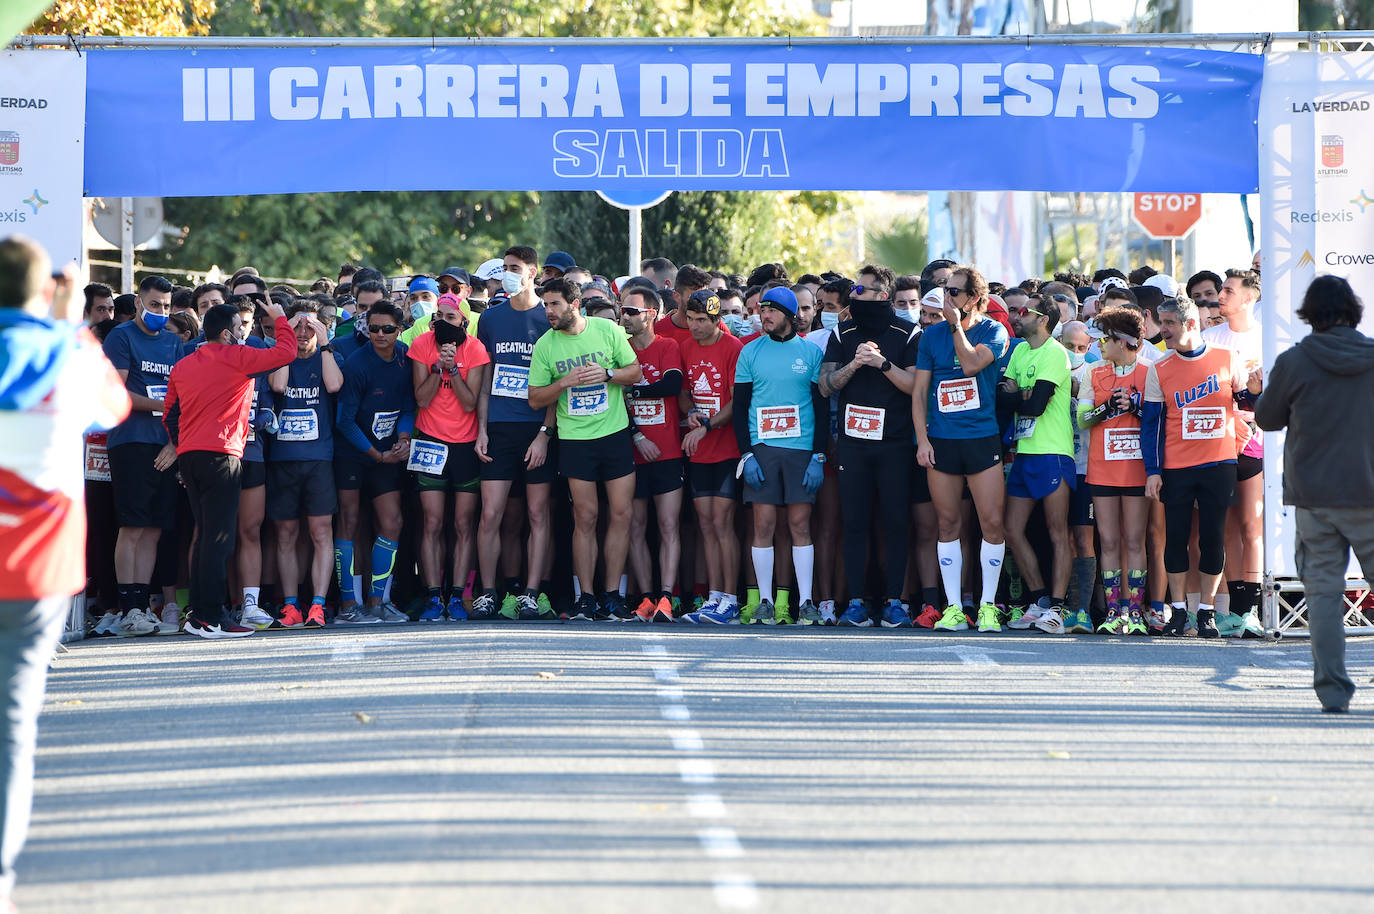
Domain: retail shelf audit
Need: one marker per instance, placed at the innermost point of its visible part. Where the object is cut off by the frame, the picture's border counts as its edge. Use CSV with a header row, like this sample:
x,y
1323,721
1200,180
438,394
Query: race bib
x,y
383,424
97,463
252,417
427,457
588,400
157,392
776,422
1024,427
958,395
864,422
1121,444
650,412
511,381
298,425
1202,423
707,403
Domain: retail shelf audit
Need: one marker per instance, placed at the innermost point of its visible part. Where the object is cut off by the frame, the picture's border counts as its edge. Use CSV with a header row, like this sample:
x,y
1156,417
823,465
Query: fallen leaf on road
x,y
363,718
291,687
74,701
1058,753
544,674
1055,675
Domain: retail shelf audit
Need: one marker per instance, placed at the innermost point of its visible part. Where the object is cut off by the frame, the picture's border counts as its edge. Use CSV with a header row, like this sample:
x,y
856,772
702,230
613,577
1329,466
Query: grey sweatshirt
x,y
1322,389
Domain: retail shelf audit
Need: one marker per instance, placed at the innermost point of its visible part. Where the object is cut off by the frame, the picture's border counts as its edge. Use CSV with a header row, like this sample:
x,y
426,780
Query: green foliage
x,y
903,246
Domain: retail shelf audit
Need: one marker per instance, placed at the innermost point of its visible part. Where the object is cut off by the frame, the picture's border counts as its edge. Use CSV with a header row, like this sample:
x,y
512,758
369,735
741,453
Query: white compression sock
x,y
250,596
763,570
991,557
803,560
951,569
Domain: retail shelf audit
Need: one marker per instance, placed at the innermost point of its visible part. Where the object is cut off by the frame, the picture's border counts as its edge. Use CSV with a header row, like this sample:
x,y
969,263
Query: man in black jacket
x,y
1322,389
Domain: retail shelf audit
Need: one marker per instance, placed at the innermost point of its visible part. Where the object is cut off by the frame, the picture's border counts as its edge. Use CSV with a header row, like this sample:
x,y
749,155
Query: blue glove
x,y
266,421
753,473
815,475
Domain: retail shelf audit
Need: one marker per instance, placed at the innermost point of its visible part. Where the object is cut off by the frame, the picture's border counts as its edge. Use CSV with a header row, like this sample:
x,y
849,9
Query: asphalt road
x,y
561,768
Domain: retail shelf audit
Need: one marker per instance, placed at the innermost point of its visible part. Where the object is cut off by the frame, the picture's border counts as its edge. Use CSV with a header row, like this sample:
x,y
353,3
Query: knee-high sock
x,y
343,570
951,569
803,560
763,570
1085,575
383,560
991,557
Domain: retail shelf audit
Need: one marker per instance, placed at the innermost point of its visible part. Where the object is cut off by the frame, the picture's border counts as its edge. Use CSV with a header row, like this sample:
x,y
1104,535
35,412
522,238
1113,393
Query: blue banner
x,y
664,117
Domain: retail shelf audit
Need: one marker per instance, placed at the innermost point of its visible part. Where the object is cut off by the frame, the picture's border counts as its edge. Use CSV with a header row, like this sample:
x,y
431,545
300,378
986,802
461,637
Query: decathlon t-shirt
x,y
509,336
1052,431
780,410
305,414
147,361
585,411
445,417
961,407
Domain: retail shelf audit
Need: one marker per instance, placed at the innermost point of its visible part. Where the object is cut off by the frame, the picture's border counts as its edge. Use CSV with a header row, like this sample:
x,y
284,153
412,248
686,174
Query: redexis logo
x,y
1358,258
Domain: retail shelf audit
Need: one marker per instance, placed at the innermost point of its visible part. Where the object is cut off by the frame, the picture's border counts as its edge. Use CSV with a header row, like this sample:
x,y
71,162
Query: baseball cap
x,y
781,297
600,284
1112,282
933,299
424,284
705,301
1164,283
490,269
560,260
459,274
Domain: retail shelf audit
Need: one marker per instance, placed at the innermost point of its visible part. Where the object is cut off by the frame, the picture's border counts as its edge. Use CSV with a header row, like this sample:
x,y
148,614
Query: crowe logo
x,y
1337,259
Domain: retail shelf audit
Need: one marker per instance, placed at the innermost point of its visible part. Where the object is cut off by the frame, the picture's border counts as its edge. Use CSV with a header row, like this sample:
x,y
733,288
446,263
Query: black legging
x,y
213,485
880,469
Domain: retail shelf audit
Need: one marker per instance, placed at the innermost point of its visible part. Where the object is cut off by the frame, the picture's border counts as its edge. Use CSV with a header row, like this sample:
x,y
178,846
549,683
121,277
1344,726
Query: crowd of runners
x,y
532,441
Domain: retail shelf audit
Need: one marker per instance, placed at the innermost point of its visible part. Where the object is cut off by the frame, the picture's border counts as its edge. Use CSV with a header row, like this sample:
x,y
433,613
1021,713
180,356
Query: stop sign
x,y
1168,215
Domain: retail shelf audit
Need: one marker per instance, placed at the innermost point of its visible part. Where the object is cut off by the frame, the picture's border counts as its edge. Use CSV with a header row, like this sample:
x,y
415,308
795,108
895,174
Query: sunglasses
x,y
955,291
632,311
856,291
387,329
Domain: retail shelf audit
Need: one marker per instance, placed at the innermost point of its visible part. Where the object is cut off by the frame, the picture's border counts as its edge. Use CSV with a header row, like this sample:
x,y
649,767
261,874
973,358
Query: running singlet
x,y
872,408
780,410
585,411
376,402
1051,432
1114,455
305,414
708,377
1200,424
509,336
148,361
444,418
1248,344
958,406
262,399
658,418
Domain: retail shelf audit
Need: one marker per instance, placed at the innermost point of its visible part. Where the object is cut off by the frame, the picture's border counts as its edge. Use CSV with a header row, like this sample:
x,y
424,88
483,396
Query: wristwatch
x,y
887,364
610,374
819,458
548,432
327,347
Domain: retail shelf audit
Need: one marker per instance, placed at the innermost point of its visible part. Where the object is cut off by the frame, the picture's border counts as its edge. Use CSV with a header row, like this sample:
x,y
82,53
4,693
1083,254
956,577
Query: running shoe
x,y
1229,625
434,611
1080,622
748,613
1050,621
694,616
1154,620
106,625
483,605
217,630
1114,624
510,607
528,607
644,612
170,621
698,602
347,607
389,613
356,614
457,612
1026,619
255,617
584,610
663,610
781,615
987,618
1254,628
808,614
895,615
828,613
136,623
855,615
928,617
1135,623
545,607
1206,624
953,620
614,609
764,613
314,618
1177,626
291,616
727,612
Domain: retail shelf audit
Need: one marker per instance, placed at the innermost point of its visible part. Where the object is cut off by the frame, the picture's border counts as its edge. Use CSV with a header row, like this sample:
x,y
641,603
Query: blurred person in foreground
x,y
55,383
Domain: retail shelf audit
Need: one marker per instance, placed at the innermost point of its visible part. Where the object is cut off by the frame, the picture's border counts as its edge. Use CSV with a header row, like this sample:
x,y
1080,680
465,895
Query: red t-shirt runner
x,y
709,377
664,327
658,418
445,418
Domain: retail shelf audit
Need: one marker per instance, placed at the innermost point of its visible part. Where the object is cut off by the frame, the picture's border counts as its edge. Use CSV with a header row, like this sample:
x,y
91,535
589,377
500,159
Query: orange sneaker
x,y
315,617
663,610
290,617
928,617
645,610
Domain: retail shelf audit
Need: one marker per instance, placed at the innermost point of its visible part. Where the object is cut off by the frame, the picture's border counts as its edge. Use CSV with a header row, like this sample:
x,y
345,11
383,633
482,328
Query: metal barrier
x,y
1285,607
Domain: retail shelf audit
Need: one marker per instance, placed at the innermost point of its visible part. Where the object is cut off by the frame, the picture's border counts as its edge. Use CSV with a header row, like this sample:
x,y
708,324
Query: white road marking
x,y
675,712
687,741
666,674
670,693
347,652
655,650
720,843
706,806
736,892
971,655
696,771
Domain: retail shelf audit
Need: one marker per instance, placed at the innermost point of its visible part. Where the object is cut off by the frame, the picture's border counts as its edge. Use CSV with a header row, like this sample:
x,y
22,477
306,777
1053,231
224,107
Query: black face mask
x,y
444,332
871,316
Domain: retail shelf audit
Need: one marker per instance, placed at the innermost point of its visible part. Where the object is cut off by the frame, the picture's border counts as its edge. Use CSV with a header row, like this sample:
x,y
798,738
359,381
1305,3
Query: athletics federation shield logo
x,y
9,147
1333,151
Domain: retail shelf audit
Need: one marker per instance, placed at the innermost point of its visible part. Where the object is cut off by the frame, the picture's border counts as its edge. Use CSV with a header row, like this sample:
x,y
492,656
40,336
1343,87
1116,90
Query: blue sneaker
x,y
456,612
894,616
434,612
694,617
715,614
856,615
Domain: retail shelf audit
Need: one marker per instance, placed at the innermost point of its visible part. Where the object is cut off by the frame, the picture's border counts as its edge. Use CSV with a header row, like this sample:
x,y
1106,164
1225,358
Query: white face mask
x,y
512,282
830,319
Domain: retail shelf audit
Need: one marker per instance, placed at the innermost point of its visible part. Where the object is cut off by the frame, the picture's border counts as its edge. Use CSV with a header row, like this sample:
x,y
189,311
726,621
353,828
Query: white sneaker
x,y
828,613
107,624
137,622
1049,621
1028,618
254,616
170,623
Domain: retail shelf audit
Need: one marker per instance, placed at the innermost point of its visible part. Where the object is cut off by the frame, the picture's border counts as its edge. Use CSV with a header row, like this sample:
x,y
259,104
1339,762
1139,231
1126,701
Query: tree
x,y
171,18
